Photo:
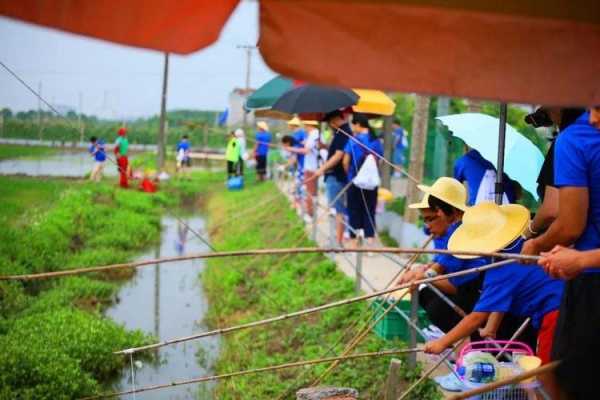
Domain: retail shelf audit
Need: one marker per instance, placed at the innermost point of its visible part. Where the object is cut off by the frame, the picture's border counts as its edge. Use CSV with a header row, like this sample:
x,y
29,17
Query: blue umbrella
x,y
523,160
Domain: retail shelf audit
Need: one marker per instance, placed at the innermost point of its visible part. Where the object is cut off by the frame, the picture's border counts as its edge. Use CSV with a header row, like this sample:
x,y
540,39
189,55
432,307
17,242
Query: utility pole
x,y
79,118
248,48
388,150
417,151
440,152
40,111
163,111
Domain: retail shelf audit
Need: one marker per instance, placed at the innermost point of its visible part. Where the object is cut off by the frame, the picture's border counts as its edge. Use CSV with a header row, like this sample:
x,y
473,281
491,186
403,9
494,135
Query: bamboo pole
x,y
358,339
263,252
257,370
504,382
311,310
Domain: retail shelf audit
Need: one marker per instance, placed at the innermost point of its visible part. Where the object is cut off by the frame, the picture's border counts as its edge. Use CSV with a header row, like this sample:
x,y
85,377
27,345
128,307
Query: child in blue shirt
x,y
183,153
98,151
515,288
261,149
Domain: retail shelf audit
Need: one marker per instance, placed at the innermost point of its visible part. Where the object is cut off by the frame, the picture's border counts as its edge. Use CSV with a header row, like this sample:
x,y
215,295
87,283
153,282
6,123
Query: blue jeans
x,y
333,188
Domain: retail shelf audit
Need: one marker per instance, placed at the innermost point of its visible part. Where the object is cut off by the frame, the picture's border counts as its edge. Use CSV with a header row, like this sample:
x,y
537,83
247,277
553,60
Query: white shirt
x,y
311,144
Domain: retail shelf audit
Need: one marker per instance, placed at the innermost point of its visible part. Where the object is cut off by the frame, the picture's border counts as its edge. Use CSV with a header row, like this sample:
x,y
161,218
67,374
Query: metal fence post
x,y
414,310
315,204
359,258
332,239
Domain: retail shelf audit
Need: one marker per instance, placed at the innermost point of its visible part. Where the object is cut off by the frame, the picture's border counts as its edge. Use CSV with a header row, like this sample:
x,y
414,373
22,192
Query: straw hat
x,y
384,194
262,125
424,203
448,190
488,227
294,122
311,122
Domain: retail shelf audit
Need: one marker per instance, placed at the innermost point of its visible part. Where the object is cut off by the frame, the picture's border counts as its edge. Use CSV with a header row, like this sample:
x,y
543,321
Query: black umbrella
x,y
315,99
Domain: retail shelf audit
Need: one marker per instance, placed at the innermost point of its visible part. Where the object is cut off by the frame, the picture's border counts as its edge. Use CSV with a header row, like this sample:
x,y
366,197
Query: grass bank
x,y
55,343
15,151
247,289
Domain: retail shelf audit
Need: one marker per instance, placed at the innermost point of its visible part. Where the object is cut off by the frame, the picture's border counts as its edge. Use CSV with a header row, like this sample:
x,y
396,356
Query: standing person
x,y
261,149
98,151
480,176
310,154
121,151
577,177
241,139
335,176
183,154
232,155
361,202
295,126
400,144
546,190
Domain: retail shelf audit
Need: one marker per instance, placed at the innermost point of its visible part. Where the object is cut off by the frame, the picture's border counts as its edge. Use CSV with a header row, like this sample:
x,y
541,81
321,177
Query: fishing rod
x,y
264,252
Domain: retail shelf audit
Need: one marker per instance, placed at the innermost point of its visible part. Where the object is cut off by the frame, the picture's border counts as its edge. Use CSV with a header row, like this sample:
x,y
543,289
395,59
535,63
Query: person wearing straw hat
x,y
261,149
310,154
515,288
442,209
298,134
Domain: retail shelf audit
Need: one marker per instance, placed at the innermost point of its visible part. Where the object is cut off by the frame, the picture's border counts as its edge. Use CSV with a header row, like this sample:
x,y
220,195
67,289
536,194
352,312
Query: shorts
x,y
299,193
576,337
261,165
333,188
546,336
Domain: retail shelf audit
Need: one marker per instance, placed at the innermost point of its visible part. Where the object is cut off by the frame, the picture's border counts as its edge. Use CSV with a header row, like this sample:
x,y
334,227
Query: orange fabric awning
x,y
528,51
177,26
521,51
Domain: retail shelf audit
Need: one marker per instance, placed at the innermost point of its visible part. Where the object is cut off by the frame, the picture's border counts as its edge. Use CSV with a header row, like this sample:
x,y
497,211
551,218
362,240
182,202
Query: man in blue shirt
x,y
335,176
577,177
472,168
261,149
183,153
400,144
98,151
298,134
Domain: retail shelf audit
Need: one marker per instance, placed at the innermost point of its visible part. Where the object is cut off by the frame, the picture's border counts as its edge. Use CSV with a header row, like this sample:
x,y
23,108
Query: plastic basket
x,y
393,325
520,391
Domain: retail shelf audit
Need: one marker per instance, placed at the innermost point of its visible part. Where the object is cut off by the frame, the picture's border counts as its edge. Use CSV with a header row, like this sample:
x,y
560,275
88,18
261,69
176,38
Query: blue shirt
x,y
522,290
399,138
299,136
358,153
183,145
262,138
577,163
471,167
453,264
98,151
338,144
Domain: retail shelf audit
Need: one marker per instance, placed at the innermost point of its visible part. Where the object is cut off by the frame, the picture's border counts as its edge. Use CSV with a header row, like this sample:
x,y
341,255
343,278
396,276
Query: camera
x,y
539,118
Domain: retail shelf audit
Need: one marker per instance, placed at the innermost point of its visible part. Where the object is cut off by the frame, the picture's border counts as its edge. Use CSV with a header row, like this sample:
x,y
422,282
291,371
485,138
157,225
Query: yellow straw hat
x,y
262,125
448,190
294,122
311,122
384,194
488,227
424,203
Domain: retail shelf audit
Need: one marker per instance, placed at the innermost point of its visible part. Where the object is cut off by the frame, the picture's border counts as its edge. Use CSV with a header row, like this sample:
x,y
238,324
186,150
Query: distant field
x,y
8,151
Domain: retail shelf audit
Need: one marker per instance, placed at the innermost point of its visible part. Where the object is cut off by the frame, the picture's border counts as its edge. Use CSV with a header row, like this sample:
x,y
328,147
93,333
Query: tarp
x,y
528,51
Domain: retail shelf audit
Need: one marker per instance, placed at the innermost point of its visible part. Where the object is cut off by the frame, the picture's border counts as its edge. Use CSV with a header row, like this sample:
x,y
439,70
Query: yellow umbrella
x,y
374,102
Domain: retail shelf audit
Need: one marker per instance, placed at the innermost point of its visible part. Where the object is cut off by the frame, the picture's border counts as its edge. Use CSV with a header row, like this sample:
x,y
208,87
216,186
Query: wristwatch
x,y
431,273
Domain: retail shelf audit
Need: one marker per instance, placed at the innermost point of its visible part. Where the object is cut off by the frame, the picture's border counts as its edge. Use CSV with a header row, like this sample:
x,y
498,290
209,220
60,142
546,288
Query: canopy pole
x,y
501,146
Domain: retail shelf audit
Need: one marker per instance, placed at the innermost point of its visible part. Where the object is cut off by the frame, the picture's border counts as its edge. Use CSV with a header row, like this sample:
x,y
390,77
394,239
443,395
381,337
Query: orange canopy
x,y
178,26
529,51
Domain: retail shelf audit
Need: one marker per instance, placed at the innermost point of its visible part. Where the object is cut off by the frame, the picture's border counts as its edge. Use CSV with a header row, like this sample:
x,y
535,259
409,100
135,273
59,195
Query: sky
x,y
117,81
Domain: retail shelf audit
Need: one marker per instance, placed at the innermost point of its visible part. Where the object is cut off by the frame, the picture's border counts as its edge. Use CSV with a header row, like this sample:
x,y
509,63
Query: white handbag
x,y
367,177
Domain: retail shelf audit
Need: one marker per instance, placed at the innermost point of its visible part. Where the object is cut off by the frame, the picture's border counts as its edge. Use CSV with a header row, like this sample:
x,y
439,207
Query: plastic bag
x,y
367,177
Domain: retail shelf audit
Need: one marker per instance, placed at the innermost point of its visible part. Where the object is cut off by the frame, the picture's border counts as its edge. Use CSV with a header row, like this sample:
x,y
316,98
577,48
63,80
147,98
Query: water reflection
x,y
177,309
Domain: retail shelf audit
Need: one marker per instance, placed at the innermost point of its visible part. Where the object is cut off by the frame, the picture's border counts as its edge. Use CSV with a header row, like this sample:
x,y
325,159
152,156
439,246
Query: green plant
x,y
398,205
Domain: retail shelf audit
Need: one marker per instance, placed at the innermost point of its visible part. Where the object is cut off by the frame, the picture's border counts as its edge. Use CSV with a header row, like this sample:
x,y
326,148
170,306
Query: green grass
x,y
398,205
246,289
8,151
55,342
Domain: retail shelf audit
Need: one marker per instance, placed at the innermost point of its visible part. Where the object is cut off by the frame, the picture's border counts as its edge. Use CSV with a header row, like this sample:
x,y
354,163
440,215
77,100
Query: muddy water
x,y
66,164
168,301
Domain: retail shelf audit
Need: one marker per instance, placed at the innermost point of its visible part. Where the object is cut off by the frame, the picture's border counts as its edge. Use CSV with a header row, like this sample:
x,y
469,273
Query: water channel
x,y
168,301
63,164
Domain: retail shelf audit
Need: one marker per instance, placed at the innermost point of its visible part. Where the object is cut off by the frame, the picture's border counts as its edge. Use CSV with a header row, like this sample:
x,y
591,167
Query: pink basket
x,y
495,347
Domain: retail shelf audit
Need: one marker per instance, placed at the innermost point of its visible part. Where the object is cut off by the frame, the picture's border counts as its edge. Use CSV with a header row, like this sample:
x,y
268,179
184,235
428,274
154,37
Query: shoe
x,y
450,383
